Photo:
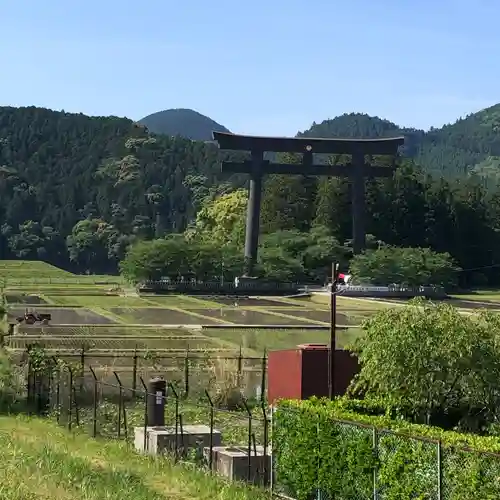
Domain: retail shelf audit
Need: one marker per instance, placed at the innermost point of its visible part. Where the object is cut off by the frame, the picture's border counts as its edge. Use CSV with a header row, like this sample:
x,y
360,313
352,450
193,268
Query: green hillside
x,y
76,191
42,461
470,145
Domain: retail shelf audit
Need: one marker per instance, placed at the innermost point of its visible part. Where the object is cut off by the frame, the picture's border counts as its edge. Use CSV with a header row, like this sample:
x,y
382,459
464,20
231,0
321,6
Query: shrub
x,y
437,365
319,445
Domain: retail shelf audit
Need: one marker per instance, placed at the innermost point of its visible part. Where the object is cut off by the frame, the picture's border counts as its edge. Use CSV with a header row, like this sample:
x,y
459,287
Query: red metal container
x,y
303,372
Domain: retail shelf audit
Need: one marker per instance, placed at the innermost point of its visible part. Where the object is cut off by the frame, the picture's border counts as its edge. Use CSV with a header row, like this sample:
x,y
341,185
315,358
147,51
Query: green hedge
x,y
322,446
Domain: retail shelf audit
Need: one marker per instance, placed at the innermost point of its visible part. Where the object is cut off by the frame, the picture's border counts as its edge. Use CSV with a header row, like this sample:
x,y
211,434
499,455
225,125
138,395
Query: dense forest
x,y
77,190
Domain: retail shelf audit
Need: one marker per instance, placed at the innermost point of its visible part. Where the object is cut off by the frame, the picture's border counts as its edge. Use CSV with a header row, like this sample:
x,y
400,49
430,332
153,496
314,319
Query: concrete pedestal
x,y
164,439
232,462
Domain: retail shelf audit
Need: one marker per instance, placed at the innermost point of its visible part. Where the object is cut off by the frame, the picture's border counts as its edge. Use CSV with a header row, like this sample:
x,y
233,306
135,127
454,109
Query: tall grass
x,y
42,461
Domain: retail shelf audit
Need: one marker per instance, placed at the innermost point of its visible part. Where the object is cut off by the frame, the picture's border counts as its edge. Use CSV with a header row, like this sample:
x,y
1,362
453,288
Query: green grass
x,y
233,425
99,301
260,340
41,461
480,295
26,273
113,344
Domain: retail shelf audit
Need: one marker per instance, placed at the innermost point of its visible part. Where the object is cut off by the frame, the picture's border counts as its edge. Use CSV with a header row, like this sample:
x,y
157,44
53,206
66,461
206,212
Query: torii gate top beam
x,y
235,142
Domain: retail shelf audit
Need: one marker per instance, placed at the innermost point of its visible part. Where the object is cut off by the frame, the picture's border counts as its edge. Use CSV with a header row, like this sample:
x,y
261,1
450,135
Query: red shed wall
x,y
284,375
314,372
303,372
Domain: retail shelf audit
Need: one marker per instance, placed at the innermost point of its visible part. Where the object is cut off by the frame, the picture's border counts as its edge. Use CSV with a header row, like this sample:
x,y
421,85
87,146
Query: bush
x,y
404,266
11,383
321,446
435,364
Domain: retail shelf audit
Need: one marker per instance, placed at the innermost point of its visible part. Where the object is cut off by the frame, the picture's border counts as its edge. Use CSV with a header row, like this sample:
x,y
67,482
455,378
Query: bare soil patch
x,y
65,316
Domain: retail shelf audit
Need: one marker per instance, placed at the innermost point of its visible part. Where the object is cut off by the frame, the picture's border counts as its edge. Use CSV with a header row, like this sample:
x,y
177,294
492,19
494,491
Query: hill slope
x,y
59,168
43,461
182,122
471,144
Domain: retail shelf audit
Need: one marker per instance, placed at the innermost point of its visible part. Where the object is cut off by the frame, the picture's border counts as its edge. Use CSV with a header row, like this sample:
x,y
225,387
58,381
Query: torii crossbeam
x,y
358,170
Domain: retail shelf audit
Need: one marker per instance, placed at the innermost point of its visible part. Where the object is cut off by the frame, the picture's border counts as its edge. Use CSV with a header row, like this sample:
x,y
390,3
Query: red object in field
x,y
302,372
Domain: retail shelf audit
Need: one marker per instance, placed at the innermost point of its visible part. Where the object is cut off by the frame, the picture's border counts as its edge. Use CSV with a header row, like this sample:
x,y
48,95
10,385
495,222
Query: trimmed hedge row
x,y
320,445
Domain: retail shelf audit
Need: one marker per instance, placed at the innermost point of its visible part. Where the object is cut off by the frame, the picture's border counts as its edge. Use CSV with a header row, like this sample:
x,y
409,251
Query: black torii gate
x,y
358,170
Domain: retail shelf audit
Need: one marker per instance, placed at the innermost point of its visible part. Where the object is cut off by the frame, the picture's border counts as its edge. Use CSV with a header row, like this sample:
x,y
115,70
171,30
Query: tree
x,y
32,241
287,200
222,220
302,254
276,264
171,257
404,266
434,363
89,242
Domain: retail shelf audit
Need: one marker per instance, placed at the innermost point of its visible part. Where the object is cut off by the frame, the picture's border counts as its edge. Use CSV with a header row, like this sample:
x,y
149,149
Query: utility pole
x,y
333,322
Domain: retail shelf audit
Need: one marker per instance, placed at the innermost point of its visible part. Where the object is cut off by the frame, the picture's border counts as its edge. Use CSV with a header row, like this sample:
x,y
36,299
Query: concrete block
x,y
232,462
162,439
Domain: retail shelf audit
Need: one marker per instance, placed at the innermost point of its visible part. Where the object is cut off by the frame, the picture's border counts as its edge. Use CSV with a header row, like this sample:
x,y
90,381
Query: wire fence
x,y
333,459
190,373
221,420
299,455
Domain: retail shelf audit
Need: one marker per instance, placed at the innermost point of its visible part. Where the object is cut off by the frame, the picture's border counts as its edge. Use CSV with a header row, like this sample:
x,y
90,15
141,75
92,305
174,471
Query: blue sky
x,y
258,67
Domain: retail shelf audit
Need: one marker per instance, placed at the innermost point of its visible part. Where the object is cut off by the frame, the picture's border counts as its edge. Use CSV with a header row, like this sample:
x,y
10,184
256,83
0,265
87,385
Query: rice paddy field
x,y
118,330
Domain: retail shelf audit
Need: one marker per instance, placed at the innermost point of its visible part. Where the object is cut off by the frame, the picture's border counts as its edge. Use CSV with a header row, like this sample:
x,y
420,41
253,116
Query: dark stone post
x,y
253,213
157,390
358,202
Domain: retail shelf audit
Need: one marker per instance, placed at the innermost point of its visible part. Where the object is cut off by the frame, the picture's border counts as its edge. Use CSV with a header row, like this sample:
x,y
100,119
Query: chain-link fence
x,y
312,456
329,459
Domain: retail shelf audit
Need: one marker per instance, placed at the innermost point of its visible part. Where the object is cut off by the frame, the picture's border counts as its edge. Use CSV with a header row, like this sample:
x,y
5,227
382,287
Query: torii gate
x,y
358,170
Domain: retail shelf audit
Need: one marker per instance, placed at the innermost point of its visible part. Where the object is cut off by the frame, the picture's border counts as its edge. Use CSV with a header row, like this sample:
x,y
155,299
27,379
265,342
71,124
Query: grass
x,y
100,301
233,425
41,461
25,272
260,340
480,295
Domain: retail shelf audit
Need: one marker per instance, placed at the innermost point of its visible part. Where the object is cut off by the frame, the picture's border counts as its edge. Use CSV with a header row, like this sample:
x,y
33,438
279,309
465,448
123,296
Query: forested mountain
x,y
78,190
469,146
69,175
182,122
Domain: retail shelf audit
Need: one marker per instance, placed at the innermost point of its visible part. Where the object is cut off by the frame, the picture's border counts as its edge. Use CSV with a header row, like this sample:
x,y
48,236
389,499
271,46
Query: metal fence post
x,y
375,472
120,404
75,404
176,396
186,375
249,444
439,450
266,441
210,458
29,384
58,395
264,376
70,402
240,368
96,396
146,441
82,368
272,472
134,372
